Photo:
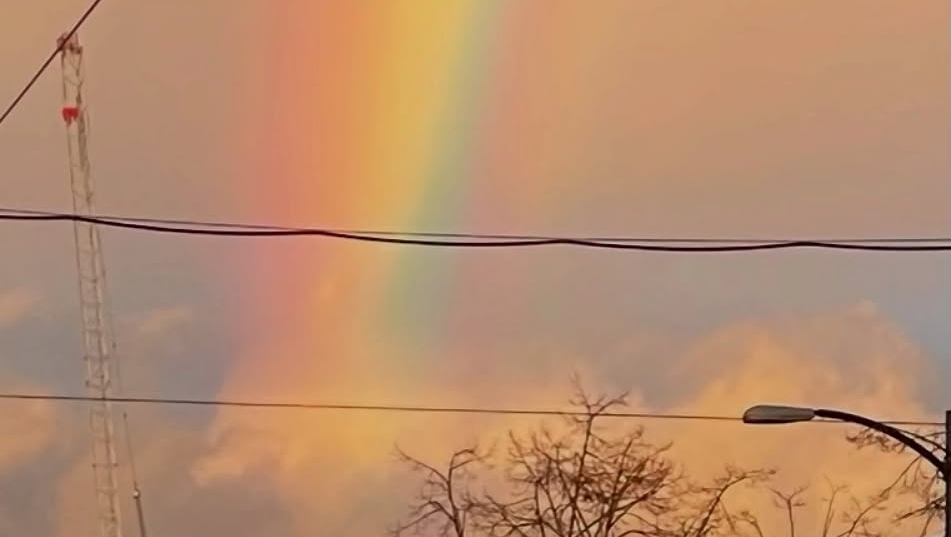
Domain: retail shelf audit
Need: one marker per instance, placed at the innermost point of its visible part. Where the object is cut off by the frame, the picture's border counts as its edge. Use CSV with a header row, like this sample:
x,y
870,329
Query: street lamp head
x,y
772,414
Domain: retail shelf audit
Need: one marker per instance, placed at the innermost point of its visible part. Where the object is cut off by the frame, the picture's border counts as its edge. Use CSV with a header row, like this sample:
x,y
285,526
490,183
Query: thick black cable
x,y
452,235
49,60
406,408
480,243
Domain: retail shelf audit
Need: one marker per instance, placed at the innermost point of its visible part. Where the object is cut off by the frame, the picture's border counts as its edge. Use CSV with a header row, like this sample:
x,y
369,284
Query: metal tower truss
x,y
98,343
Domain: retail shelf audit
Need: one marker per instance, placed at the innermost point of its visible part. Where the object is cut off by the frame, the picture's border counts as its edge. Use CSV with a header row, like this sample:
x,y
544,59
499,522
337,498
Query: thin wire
x,y
411,409
45,65
480,243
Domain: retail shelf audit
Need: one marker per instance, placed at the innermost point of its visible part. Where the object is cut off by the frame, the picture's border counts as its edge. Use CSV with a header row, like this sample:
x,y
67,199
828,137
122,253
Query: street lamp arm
x,y
887,430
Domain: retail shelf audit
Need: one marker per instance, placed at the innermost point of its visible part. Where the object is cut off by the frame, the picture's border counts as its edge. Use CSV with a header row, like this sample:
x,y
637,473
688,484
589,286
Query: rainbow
x,y
380,125
375,119
407,115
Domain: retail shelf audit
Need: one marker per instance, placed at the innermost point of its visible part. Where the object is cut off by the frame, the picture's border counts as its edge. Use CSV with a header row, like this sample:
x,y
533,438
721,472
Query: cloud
x,y
27,428
16,304
46,457
149,342
32,441
158,322
173,504
328,467
854,360
251,472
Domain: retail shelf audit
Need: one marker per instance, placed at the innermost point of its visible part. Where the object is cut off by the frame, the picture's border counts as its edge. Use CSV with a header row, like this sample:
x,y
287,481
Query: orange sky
x,y
641,118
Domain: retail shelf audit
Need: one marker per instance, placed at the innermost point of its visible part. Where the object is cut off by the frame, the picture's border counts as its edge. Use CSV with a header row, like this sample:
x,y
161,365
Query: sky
x,y
720,119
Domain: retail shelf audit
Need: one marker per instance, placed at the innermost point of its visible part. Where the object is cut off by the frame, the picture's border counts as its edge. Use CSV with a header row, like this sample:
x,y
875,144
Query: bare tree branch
x,y
790,502
857,520
706,513
583,482
918,480
443,504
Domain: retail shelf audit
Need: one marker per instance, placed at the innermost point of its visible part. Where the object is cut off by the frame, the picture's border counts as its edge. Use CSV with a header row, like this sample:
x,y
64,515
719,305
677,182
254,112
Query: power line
x,y
473,240
45,65
443,234
410,408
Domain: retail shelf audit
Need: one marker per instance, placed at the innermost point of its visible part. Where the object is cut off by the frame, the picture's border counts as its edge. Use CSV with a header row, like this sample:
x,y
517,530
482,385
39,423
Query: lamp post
x,y
779,414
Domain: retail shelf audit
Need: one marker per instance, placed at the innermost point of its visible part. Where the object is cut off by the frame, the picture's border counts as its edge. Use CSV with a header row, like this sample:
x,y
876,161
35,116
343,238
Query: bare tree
x,y
590,480
444,504
918,481
585,481
581,482
855,519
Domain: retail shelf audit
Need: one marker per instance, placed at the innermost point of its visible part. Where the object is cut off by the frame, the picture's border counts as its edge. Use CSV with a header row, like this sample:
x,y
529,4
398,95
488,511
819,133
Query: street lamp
x,y
780,414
